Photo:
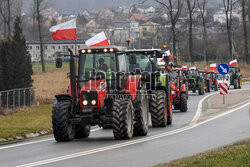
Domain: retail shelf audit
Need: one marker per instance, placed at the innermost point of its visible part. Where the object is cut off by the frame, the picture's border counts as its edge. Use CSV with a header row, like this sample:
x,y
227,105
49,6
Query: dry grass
x,y
49,84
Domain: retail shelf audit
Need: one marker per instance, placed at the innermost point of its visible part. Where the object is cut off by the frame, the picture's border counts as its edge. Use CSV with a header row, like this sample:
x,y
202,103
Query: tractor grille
x,y
89,96
190,81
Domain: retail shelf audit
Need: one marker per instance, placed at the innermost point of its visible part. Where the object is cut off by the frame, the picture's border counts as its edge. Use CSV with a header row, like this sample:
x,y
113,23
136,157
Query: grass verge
x,y
19,124
234,155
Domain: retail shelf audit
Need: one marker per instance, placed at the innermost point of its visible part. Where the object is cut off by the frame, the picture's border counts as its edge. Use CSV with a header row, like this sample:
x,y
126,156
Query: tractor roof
x,y
116,48
144,50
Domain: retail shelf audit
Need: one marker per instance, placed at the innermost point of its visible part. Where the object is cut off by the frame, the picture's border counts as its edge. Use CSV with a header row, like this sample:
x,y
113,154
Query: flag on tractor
x,y
233,63
213,66
66,30
98,40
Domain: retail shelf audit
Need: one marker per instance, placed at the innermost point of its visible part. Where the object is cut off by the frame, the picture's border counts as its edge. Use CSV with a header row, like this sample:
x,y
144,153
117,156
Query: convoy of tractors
x,y
120,89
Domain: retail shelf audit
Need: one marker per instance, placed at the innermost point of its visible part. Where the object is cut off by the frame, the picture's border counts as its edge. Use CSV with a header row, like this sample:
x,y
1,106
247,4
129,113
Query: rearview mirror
x,y
132,59
58,62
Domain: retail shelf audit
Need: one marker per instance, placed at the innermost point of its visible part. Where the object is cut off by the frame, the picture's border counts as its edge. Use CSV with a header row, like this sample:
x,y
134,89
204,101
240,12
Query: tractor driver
x,y
102,66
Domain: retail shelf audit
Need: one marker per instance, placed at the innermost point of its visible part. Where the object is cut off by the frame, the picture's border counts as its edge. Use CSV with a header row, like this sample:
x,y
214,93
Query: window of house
x,y
37,47
30,47
53,47
59,47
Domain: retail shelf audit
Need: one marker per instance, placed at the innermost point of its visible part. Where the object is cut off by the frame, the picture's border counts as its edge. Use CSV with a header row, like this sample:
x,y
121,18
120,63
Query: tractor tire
x,y
169,106
209,87
216,88
183,103
82,131
63,129
158,109
236,83
123,119
240,82
141,106
177,105
193,90
200,89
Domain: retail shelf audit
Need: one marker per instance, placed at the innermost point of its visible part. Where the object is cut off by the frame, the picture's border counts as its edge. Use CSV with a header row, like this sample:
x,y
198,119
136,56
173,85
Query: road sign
x,y
223,89
169,69
223,69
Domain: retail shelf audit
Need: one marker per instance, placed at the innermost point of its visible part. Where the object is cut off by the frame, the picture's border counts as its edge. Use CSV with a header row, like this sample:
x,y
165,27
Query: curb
x,y
27,136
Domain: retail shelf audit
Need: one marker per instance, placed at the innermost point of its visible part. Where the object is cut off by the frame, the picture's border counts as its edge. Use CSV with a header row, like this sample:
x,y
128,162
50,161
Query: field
x,y
235,155
24,122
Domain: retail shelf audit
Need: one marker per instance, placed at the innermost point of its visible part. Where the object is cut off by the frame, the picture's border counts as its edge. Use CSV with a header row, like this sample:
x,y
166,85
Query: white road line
x,y
34,142
199,109
111,147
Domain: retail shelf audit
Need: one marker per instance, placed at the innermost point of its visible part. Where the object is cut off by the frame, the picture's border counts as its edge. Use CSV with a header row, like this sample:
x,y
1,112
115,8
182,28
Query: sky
x,y
70,6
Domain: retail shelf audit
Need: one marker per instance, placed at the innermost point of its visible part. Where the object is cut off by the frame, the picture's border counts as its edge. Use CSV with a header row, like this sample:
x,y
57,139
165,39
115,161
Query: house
x,y
151,9
220,16
92,25
106,13
138,17
49,12
53,48
149,29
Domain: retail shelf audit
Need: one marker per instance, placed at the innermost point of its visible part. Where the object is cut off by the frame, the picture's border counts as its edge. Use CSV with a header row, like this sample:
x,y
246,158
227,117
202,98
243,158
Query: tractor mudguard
x,y
63,97
132,82
183,88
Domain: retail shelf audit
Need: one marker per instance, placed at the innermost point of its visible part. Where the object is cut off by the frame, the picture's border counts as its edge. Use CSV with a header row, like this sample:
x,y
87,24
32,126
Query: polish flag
x,y
167,53
233,63
193,68
98,40
184,67
213,66
66,30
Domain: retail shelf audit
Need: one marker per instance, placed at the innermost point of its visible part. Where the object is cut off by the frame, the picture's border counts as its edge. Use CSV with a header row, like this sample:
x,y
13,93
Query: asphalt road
x,y
161,145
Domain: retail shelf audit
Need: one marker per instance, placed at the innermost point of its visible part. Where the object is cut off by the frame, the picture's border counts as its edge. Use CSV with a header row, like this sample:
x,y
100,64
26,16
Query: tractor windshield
x,y
90,64
142,62
232,69
192,73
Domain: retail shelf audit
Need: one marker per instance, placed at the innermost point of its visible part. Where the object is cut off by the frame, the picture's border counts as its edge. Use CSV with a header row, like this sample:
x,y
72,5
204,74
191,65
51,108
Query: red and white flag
x,y
184,67
167,53
233,62
98,40
213,66
66,30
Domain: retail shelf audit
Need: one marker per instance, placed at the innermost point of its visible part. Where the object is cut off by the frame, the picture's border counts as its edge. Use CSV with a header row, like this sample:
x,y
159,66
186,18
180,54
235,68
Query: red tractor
x,y
179,90
213,77
103,93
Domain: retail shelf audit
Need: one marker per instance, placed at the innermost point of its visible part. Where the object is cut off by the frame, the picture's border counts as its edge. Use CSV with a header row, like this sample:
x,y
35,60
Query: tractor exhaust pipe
x,y
72,76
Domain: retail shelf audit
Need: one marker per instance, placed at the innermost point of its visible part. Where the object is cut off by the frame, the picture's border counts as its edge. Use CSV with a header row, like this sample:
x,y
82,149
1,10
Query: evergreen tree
x,y
5,55
19,63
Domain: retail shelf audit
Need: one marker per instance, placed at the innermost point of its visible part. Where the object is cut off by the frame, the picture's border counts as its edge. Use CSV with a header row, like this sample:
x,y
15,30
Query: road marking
x,y
111,147
34,142
199,109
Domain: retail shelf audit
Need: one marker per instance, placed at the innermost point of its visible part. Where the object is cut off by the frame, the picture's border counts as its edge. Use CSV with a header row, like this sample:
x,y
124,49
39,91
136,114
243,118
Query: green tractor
x,y
235,77
196,81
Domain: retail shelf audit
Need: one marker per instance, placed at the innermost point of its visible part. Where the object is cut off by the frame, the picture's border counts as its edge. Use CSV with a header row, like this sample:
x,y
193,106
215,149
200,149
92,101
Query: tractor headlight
x,y
105,50
111,50
89,50
83,51
85,102
173,92
93,102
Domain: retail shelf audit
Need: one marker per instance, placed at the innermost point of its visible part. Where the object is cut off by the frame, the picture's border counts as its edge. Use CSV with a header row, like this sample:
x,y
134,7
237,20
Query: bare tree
x,y
174,17
202,7
191,6
6,15
38,7
244,15
228,7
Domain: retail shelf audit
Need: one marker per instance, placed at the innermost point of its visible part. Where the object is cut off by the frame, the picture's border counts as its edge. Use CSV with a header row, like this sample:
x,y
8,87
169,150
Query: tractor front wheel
x,y
82,131
123,119
236,83
158,109
63,128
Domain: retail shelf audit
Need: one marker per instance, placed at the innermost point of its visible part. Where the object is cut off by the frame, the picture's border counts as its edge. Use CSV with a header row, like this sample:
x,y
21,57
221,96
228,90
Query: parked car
x,y
223,79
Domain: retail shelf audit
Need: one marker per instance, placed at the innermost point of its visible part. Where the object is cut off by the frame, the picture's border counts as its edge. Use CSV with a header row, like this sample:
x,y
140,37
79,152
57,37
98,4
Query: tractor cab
x,y
235,77
196,81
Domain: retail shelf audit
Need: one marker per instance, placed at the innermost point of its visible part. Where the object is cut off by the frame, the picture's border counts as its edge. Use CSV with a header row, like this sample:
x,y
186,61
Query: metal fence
x,y
16,98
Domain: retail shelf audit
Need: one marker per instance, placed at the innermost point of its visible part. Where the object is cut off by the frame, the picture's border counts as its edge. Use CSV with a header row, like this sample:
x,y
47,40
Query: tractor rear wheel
x,y
82,131
236,83
141,106
183,103
123,119
216,87
209,86
63,128
158,109
240,82
200,89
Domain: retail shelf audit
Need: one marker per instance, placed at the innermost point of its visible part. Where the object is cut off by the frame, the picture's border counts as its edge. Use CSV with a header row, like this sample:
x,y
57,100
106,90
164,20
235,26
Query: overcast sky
x,y
69,6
